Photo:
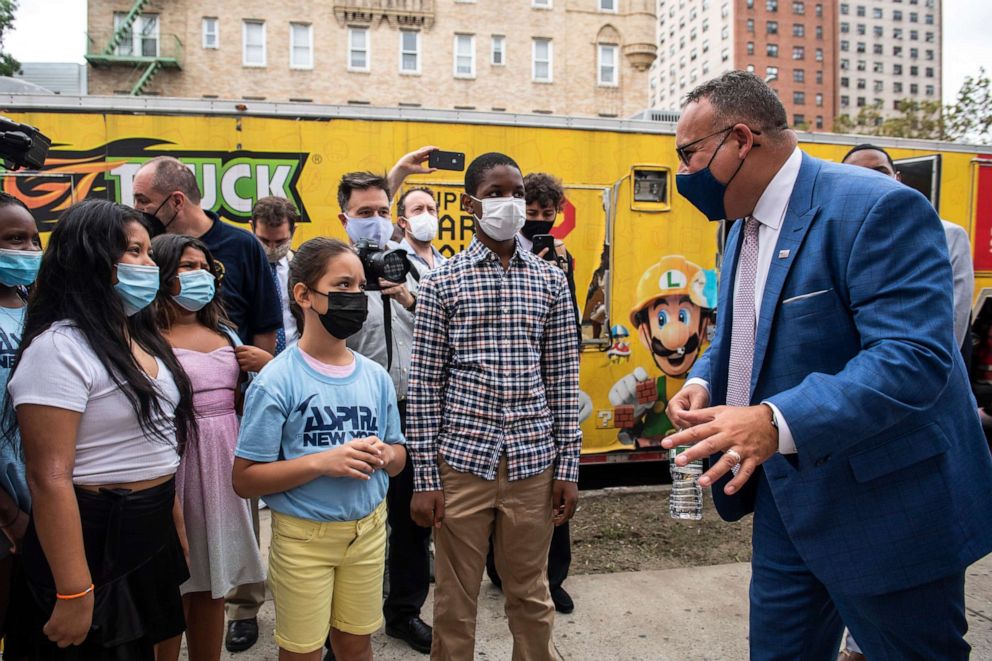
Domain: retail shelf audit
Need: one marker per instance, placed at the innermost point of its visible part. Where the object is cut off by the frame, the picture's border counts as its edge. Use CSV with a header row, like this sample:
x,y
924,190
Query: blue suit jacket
x,y
892,484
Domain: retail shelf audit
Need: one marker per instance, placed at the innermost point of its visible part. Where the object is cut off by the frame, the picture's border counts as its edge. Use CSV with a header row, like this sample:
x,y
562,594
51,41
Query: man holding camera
x,y
387,337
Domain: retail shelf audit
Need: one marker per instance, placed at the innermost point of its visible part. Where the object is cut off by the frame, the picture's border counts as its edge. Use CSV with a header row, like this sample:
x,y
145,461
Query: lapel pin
x,y
782,254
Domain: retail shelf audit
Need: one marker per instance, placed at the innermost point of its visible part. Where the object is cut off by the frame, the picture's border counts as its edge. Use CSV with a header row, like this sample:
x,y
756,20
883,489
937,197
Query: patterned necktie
x,y
744,322
281,331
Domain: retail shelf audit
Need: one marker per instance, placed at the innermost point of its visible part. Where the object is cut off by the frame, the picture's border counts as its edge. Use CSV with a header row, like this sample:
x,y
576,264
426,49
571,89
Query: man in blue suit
x,y
832,389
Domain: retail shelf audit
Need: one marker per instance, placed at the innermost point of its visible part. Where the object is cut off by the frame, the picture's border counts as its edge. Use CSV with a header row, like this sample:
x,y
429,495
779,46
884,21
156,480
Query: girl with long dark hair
x,y
105,411
223,552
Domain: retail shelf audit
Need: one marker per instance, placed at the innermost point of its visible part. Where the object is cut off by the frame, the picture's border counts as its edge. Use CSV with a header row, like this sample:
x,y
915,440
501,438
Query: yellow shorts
x,y
325,575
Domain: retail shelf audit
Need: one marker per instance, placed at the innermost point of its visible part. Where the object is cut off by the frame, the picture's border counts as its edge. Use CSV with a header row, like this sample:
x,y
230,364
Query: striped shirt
x,y
495,370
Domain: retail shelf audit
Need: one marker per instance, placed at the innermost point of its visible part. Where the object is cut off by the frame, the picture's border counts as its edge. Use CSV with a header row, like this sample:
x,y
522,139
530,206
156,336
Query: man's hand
x,y
564,498
691,398
624,391
427,508
412,163
251,359
746,430
396,291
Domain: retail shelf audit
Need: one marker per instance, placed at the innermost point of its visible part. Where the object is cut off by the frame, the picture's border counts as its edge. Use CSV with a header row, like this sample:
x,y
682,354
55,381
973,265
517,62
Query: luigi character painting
x,y
673,312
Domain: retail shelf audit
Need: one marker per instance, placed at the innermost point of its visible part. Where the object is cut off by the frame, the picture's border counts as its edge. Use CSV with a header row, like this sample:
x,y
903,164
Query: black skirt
x,y
137,565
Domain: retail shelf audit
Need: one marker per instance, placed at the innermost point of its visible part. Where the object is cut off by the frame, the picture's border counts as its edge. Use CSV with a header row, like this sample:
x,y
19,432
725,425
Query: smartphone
x,y
542,241
446,160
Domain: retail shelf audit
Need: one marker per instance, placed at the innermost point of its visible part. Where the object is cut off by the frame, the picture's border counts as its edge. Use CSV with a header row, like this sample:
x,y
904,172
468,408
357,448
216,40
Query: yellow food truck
x,y
646,262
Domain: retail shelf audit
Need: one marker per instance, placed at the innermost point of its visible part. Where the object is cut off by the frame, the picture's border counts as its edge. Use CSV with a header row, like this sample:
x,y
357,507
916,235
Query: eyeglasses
x,y
684,156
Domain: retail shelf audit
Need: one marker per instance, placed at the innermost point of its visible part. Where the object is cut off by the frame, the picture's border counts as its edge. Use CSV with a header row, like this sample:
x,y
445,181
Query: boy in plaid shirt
x,y
493,417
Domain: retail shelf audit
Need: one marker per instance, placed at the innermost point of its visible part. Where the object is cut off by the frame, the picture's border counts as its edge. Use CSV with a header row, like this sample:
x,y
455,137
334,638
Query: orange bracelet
x,y
75,596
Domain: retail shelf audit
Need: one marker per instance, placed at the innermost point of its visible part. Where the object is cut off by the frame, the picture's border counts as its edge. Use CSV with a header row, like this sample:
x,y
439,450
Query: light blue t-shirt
x,y
291,411
12,477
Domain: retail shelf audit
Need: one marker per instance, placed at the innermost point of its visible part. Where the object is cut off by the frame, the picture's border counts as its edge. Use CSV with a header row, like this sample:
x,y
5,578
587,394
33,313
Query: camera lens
x,y
394,267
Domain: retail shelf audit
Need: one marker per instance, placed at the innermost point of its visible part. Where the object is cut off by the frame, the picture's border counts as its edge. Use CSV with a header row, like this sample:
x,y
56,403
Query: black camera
x,y
393,265
22,145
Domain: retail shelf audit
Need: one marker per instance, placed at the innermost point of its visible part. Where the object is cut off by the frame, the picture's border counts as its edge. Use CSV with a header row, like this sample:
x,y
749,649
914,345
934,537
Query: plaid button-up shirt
x,y
495,370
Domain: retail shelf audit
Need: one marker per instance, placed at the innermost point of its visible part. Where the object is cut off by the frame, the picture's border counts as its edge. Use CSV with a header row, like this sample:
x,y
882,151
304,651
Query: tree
x,y
970,118
8,65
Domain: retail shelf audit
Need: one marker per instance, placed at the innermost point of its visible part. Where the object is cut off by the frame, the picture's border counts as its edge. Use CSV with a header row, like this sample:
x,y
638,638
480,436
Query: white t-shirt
x,y
59,369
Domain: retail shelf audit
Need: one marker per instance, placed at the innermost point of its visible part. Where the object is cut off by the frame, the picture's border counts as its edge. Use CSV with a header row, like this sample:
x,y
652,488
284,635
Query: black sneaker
x,y
563,600
241,634
417,633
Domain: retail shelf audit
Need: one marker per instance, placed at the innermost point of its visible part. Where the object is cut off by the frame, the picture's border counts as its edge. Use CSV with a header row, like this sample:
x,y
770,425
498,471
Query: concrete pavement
x,y
677,614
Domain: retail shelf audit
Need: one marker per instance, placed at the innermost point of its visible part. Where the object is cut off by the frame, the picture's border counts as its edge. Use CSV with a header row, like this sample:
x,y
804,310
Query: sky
x,y
36,37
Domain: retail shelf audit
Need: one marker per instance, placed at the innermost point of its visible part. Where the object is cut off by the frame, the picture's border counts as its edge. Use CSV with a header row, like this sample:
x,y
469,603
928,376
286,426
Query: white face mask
x,y
502,217
423,227
376,228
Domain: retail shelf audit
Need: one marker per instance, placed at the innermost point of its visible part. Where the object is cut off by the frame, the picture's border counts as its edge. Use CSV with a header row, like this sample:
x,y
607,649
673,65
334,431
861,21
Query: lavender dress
x,y
223,552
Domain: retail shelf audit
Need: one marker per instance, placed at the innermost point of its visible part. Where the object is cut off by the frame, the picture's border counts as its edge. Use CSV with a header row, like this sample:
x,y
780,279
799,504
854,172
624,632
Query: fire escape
x,y
145,54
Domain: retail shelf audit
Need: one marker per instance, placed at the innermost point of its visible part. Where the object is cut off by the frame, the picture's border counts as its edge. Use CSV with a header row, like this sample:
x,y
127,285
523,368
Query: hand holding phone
x,y
446,160
542,242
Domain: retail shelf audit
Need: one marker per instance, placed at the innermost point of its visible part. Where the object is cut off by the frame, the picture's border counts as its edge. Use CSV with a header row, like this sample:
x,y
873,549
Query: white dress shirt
x,y
288,322
770,213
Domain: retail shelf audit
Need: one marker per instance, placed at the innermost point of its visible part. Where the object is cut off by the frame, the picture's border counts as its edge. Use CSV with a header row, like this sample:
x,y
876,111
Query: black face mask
x,y
534,227
152,222
346,312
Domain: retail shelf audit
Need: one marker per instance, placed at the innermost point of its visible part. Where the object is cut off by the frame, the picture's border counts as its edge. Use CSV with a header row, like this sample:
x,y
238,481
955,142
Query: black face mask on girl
x,y
346,312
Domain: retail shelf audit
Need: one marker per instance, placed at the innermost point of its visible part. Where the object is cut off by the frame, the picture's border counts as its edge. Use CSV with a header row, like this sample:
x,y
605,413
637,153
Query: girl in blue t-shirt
x,y
20,256
319,437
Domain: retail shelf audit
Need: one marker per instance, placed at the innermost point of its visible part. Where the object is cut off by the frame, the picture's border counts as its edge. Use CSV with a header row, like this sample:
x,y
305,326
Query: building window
x,y
914,70
724,54
845,45
914,53
608,65
798,30
928,19
543,59
897,69
725,10
771,5
897,51
819,99
876,12
878,67
706,45
771,73
798,119
608,5
929,90
771,50
914,89
819,54
862,83
819,77
750,48
877,49
861,65
877,31
749,68
861,47
929,37
845,101
897,15
409,51
798,75
141,39
929,72
897,87
861,10
799,8
750,25
845,81
819,121
358,49
845,8
861,29
771,27
725,32
819,11
498,50
897,33
819,32
845,27
914,17
798,53
861,102
211,32
878,86
929,54
541,4
914,35
300,46
253,37
464,56
799,98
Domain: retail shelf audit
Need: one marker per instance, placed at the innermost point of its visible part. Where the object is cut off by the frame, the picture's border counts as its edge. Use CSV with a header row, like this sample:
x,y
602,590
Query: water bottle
x,y
686,500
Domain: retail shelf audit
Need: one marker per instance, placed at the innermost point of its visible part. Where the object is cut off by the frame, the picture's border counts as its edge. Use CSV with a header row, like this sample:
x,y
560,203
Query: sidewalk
x,y
697,613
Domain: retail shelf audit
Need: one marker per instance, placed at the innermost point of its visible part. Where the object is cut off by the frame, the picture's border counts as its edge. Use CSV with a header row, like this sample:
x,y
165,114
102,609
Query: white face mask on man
x,y
502,217
423,226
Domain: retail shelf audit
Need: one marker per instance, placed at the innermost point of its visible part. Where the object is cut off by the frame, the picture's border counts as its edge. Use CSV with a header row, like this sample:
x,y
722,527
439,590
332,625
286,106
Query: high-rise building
x,y
888,50
568,57
789,43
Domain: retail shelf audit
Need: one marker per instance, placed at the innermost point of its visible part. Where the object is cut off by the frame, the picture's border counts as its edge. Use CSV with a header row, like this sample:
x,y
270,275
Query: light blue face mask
x,y
19,267
376,228
196,289
137,286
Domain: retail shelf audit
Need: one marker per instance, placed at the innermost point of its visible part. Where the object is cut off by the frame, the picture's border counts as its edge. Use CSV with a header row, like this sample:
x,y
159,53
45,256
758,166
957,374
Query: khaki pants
x,y
244,601
518,515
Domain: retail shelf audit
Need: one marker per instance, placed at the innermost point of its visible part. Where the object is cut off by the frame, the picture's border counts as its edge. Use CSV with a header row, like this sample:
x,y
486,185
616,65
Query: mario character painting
x,y
674,310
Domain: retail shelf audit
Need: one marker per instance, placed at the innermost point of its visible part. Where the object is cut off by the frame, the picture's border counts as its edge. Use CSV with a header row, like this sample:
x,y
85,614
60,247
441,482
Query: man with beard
x,y
671,316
